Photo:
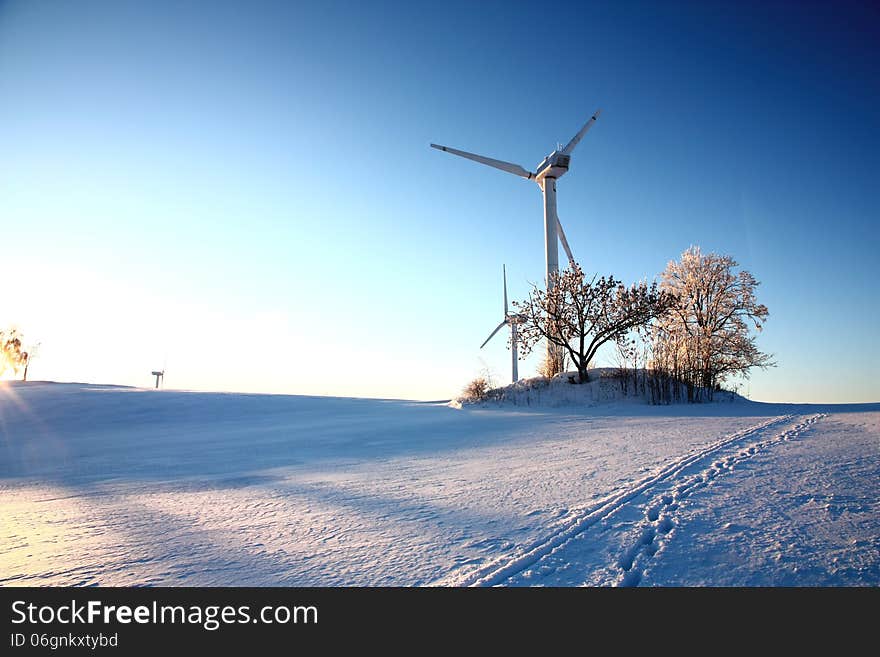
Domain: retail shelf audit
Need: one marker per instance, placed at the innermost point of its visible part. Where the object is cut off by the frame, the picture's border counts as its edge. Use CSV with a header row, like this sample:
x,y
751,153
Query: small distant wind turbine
x,y
552,167
510,319
159,374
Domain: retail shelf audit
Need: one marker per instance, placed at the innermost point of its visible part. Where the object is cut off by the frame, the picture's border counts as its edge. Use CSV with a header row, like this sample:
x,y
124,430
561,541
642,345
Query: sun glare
x,y
7,372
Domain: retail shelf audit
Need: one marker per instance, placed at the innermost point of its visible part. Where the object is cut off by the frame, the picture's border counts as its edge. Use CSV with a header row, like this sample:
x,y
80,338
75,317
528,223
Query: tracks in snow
x,y
666,488
659,512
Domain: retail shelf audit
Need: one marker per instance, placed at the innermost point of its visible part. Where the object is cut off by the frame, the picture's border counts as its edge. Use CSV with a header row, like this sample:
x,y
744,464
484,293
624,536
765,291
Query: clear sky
x,y
244,190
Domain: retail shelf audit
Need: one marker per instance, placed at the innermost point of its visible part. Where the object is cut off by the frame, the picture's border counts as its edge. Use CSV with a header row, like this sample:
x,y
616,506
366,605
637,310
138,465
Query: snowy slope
x,y
122,486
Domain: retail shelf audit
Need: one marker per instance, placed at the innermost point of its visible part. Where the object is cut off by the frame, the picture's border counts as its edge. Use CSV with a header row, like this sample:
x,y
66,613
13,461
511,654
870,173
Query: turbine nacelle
x,y
553,166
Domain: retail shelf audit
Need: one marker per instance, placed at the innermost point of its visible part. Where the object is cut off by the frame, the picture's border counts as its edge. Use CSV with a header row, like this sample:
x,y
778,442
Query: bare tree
x,y
707,336
552,364
475,390
29,356
579,315
623,358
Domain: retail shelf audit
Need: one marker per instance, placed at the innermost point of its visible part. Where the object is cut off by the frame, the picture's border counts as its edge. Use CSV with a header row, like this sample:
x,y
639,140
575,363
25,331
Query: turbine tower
x,y
552,167
509,320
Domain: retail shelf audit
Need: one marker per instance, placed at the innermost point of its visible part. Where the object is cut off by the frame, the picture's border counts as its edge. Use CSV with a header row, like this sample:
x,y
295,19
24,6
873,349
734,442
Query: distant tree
x,y
29,356
707,336
12,358
579,315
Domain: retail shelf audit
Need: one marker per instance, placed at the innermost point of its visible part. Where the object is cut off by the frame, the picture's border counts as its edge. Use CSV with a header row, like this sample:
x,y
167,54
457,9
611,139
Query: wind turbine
x,y
546,173
509,320
160,375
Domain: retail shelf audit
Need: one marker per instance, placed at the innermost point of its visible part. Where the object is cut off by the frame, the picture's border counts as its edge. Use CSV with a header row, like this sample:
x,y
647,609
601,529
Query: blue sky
x,y
244,191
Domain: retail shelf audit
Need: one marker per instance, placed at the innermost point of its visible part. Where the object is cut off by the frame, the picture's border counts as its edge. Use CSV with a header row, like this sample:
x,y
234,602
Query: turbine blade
x,y
504,270
577,138
515,169
492,335
564,241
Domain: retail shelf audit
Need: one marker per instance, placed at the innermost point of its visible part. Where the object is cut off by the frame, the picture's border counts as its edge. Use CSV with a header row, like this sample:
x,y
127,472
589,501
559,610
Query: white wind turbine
x,y
510,320
552,167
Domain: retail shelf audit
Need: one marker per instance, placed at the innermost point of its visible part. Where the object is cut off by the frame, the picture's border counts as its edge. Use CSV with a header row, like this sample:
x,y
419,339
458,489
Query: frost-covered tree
x,y
580,315
12,358
707,336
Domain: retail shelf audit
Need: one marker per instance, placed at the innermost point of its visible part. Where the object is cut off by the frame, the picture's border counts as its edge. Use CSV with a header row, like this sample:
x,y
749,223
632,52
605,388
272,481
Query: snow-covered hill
x,y
606,385
123,486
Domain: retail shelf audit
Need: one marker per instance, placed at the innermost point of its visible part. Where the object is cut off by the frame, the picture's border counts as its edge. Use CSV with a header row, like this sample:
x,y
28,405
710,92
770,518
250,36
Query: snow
x,y
123,486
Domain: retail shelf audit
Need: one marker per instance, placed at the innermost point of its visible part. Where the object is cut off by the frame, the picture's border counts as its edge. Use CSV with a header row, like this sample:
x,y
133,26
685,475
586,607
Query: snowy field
x,y
122,486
